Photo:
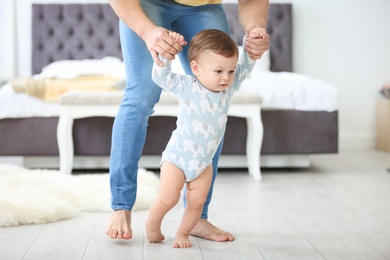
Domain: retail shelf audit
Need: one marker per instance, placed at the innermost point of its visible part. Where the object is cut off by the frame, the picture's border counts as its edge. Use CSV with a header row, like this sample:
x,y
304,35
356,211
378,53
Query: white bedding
x,y
287,90
19,105
279,90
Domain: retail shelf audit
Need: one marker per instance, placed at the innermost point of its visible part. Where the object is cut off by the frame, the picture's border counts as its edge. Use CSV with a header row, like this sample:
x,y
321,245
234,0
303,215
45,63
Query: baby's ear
x,y
194,68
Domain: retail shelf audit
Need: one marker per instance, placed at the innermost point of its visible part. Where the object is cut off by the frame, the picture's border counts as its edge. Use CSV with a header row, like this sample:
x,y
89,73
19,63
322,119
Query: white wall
x,y
7,39
345,42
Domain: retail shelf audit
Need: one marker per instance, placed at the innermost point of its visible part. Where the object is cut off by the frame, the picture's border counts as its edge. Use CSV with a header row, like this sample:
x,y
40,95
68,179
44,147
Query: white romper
x,y
202,116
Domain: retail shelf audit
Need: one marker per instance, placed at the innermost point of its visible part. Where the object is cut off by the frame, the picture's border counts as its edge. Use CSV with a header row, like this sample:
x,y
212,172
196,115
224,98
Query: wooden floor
x,y
337,209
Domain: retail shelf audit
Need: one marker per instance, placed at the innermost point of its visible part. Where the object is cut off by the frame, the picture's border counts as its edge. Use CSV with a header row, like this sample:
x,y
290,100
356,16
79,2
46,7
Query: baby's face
x,y
216,72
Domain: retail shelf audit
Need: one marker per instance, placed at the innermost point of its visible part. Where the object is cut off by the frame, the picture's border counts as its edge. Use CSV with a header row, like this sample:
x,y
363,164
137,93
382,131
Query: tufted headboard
x,y
90,31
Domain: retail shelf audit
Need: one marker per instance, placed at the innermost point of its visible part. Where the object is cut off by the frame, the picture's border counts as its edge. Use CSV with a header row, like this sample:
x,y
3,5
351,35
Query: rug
x,y
42,196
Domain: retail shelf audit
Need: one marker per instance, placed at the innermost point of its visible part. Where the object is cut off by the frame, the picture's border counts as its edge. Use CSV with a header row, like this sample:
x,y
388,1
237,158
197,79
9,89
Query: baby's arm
x,y
244,67
163,76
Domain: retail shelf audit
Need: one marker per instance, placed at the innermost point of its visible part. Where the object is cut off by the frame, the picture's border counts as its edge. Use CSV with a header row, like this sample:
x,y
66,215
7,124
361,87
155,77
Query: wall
x,y
345,42
7,40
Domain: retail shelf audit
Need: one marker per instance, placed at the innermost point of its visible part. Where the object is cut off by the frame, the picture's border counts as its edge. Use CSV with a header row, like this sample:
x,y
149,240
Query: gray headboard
x,y
90,31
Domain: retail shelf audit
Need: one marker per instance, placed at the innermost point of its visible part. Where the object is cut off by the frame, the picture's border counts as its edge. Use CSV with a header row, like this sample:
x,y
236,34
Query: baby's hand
x,y
177,37
257,41
257,32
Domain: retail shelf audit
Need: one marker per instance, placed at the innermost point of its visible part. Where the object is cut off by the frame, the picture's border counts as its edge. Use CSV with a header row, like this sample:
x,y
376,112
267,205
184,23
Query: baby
x,y
204,100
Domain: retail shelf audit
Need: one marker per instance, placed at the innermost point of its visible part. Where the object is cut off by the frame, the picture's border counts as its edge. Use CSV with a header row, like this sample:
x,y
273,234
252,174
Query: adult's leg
x,y
206,17
129,129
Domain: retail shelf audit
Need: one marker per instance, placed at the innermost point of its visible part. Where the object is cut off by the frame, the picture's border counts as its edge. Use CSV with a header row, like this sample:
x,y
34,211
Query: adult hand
x,y
159,42
257,41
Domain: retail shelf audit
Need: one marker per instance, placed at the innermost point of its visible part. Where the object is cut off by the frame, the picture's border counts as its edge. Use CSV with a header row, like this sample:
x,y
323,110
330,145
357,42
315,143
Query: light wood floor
x,y
337,209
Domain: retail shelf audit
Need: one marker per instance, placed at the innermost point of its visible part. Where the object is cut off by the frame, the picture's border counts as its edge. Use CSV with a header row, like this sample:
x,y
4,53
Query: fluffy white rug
x,y
41,196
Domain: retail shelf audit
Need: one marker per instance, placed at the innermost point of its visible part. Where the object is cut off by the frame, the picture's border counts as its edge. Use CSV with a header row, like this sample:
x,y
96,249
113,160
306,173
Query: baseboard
x,y
152,162
356,142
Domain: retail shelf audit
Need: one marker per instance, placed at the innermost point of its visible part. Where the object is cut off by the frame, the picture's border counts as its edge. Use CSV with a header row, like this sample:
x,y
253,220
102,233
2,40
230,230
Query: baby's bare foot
x,y
182,241
153,234
119,225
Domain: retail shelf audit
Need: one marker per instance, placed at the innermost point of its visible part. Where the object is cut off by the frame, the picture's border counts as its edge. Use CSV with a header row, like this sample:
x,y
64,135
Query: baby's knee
x,y
169,202
196,204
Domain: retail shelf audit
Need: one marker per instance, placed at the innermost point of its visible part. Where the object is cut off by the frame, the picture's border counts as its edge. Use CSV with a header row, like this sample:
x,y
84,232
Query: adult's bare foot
x,y
119,225
204,229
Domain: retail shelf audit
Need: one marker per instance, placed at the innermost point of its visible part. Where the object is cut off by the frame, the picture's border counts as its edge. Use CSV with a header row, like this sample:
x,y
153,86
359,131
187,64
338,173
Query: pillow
x,y
69,69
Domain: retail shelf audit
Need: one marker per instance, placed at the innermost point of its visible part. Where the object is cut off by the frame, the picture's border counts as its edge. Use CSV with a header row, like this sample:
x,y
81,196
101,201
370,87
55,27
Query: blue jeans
x,y
141,94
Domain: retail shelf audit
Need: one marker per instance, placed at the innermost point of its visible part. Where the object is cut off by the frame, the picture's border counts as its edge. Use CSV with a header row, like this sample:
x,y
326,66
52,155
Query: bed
x,y
299,113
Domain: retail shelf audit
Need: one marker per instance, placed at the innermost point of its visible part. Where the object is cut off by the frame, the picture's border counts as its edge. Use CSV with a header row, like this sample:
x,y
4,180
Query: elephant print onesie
x,y
202,116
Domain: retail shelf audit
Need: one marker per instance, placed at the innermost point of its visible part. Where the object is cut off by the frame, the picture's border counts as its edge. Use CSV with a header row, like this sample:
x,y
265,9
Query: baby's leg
x,y
171,183
196,196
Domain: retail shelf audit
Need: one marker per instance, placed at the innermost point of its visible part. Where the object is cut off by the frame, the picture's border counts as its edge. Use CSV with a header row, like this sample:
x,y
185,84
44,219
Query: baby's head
x,y
213,57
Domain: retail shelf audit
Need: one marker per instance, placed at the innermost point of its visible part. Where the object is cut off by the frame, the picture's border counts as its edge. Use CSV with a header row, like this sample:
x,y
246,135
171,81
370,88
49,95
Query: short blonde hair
x,y
214,40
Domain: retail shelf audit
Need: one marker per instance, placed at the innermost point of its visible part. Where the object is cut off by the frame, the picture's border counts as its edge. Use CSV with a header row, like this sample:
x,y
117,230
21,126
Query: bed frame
x,y
86,31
